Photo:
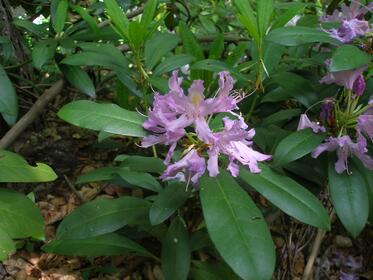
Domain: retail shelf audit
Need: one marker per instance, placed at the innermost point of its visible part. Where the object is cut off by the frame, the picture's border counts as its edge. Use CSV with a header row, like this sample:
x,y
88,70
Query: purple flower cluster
x,y
173,112
351,19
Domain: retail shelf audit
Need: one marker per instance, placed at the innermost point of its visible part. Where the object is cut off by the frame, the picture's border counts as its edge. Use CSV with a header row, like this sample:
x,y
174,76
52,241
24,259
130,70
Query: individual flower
x,y
305,122
235,142
350,79
326,111
345,147
351,19
190,168
365,124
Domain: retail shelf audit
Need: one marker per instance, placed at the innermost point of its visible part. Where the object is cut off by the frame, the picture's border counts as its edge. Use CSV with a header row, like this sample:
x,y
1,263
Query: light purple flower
x,y
190,168
326,109
352,23
305,122
346,78
365,124
235,142
345,147
359,86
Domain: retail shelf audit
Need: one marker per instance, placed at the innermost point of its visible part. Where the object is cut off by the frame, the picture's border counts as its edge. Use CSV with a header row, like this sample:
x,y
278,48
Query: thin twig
x,y
32,114
75,191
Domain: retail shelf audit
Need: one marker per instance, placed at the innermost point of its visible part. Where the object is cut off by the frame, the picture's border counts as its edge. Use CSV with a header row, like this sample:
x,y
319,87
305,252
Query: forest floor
x,y
72,151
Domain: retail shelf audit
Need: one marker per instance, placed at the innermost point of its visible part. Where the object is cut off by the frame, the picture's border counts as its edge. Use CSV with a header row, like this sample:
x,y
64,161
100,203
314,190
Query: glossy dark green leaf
x,y
117,16
247,18
43,52
104,245
237,227
349,196
8,99
91,22
280,116
141,163
103,117
58,18
288,195
6,245
102,216
148,13
99,174
212,271
138,179
79,79
19,216
39,30
13,168
167,202
348,57
190,42
296,145
264,13
176,251
299,35
172,63
158,46
290,13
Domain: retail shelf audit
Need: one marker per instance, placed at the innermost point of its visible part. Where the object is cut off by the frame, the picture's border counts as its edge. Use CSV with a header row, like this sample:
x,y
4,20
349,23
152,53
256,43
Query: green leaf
x,y
58,20
190,42
143,180
87,18
38,30
14,169
43,52
79,79
8,99
349,196
104,245
141,163
136,34
299,35
217,66
6,245
103,216
103,117
158,46
99,174
288,15
167,202
296,145
237,227
348,57
117,17
247,18
176,251
212,271
148,14
280,116
19,216
217,47
288,195
264,10
172,63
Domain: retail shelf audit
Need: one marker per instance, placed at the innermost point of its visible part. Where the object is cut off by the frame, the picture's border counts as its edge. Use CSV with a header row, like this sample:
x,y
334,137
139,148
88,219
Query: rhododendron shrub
x,y
220,117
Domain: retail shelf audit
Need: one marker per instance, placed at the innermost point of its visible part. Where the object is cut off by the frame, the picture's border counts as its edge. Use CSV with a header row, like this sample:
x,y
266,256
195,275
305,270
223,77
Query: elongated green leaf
x,y
158,46
39,30
350,198
176,251
217,47
104,245
288,15
103,117
58,19
283,115
167,202
87,18
148,14
348,57
8,99
103,216
265,10
296,145
143,180
212,271
14,168
117,16
6,245
190,42
299,35
43,52
172,63
79,79
237,227
288,195
99,174
247,18
19,216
